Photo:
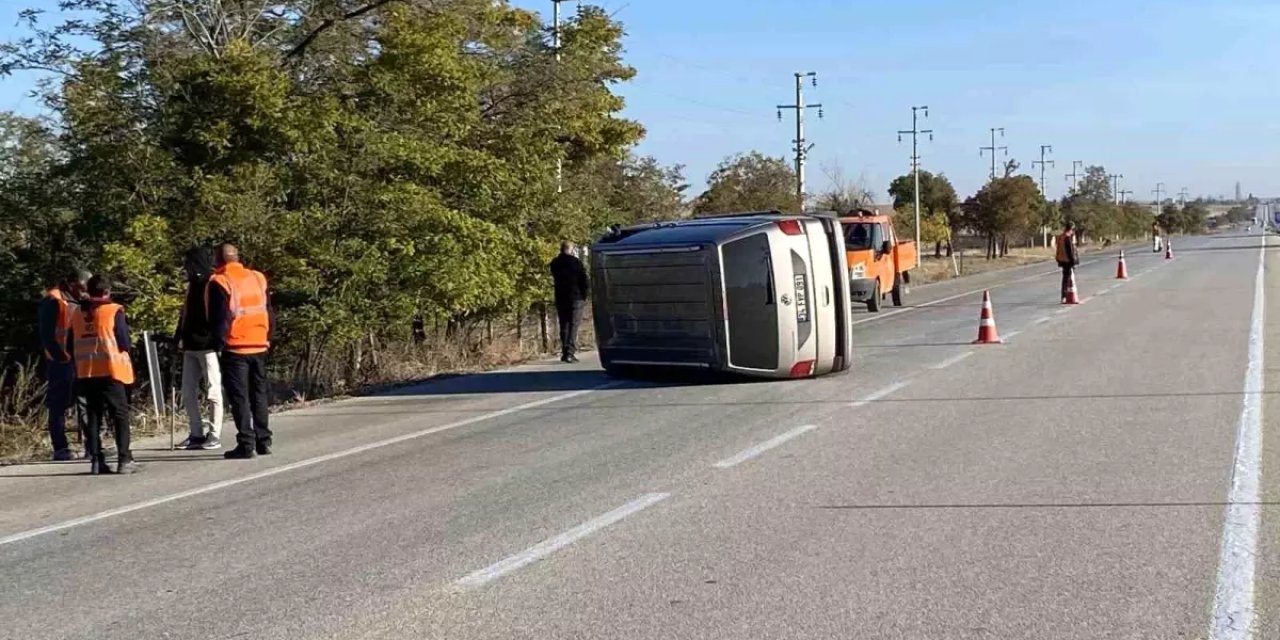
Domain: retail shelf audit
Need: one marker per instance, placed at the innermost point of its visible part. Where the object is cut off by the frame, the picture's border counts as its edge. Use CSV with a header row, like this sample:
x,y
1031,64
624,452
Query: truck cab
x,y
879,263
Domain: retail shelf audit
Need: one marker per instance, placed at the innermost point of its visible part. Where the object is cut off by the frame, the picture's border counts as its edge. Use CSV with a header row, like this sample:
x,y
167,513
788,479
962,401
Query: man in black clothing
x,y
571,288
200,367
1067,256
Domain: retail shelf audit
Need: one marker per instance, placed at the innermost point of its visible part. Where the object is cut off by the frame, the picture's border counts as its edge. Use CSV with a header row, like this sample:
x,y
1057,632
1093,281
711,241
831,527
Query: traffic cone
x,y
1072,296
987,323
1122,271
1168,251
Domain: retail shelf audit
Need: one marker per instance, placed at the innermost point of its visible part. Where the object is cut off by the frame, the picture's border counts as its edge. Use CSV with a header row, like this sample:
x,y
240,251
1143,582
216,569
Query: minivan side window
x,y
752,314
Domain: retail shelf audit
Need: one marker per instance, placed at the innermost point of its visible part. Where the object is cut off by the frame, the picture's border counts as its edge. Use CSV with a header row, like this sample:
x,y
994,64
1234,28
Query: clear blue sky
x,y
1176,91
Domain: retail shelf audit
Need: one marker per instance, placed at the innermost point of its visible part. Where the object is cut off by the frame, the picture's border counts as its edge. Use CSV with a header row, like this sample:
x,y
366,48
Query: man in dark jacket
x,y
1067,256
53,321
571,288
98,342
200,370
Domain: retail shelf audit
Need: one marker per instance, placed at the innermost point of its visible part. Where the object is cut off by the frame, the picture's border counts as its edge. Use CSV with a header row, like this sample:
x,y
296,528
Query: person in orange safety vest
x,y
98,341
239,308
53,321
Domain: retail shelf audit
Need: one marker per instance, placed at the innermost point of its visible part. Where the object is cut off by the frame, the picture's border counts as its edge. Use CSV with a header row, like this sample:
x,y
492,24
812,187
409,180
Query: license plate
x,y
802,299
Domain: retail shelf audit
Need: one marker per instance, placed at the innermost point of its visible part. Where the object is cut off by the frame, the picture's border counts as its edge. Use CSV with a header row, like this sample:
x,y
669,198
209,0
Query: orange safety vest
x,y
97,354
247,303
1062,245
64,319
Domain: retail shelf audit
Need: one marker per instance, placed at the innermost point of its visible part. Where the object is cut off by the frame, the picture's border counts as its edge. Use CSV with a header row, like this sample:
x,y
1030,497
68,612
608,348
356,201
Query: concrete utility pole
x,y
1115,187
1123,193
1075,164
1182,196
802,150
993,148
1044,148
1158,190
555,45
915,165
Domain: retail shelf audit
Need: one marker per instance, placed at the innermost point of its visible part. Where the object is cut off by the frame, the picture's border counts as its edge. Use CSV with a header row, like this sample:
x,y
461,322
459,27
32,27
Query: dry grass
x,y
972,262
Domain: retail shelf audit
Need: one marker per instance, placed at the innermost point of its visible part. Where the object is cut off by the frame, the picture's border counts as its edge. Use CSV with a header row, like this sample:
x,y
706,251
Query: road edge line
x,y
1233,601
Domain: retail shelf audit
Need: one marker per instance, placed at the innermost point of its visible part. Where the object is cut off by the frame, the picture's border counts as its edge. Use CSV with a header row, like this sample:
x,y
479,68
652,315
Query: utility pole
x,y
1182,195
1124,193
1044,148
1075,164
993,148
1115,186
802,150
915,165
1158,190
555,45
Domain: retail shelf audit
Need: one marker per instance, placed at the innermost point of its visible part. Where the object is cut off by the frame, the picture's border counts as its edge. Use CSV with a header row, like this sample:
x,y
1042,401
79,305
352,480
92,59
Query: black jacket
x,y
570,280
194,329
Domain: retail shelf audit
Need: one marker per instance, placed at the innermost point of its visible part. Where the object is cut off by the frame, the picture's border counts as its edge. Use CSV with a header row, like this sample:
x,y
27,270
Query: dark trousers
x,y
570,319
244,377
106,399
1067,270
59,396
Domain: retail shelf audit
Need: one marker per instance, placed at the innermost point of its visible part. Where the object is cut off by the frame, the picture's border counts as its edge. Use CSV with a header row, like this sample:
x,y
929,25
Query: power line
x,y
1123,193
1182,195
993,148
802,150
1115,186
915,164
1044,148
1073,176
1158,190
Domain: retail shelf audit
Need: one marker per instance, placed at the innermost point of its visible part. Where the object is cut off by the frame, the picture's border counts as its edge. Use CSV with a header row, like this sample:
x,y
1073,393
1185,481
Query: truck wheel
x,y
873,303
898,290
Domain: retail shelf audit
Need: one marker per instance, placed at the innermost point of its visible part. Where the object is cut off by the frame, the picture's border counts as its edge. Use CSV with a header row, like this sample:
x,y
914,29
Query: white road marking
x,y
1042,320
751,452
1233,611
557,542
880,394
882,316
952,360
293,466
1011,335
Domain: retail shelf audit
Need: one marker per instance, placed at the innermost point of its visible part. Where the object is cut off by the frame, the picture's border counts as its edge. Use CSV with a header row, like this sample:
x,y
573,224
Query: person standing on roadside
x,y
239,309
571,287
53,321
200,370
99,344
1067,256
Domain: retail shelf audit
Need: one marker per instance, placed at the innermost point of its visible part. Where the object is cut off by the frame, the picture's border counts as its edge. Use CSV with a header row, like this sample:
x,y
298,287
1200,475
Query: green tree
x,y
939,206
1002,207
1092,206
749,182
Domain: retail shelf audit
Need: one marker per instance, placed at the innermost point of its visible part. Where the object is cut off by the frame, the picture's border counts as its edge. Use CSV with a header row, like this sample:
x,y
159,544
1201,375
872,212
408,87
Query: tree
x,y
749,182
1091,206
381,162
938,206
843,195
1002,207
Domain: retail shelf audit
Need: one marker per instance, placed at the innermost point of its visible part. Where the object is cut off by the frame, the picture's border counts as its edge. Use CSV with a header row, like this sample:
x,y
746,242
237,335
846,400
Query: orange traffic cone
x,y
1072,297
987,323
1122,271
1168,251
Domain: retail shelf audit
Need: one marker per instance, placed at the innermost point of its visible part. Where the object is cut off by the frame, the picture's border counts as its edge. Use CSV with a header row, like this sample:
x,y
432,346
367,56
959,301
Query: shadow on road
x,y
562,381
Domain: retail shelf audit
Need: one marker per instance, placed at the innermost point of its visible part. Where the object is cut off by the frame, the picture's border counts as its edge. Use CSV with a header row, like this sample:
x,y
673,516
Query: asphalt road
x,y
1072,483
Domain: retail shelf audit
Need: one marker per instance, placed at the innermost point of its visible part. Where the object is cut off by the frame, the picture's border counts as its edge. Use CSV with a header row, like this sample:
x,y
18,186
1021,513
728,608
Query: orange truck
x,y
879,263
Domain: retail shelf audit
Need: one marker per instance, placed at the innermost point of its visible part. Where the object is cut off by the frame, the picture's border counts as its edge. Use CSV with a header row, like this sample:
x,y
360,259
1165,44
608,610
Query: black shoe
x,y
572,359
239,453
99,467
263,449
63,455
193,443
564,358
128,466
